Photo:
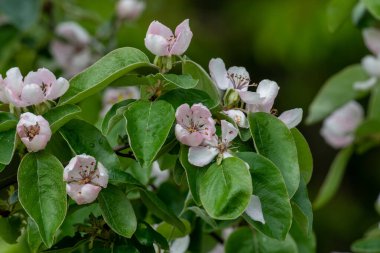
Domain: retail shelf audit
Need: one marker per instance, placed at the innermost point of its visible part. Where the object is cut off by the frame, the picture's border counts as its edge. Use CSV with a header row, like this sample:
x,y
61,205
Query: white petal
x,y
218,73
372,39
57,89
159,176
291,118
201,156
101,176
73,33
239,117
365,85
254,210
32,94
371,65
268,90
157,45
180,245
250,97
82,193
229,132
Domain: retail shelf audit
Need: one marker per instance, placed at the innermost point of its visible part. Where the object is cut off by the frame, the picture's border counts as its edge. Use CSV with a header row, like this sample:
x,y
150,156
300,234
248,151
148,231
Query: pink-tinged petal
x,y
157,45
159,176
229,132
184,115
101,176
372,40
227,154
218,73
13,81
252,98
365,85
82,193
291,118
78,165
200,112
254,210
201,156
62,53
41,76
187,138
207,129
371,65
14,98
73,33
181,43
129,9
268,90
238,117
3,97
156,28
345,119
38,142
32,94
182,27
57,89
335,140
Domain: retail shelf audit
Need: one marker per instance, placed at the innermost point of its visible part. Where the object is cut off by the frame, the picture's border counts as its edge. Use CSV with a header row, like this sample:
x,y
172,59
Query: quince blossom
x,y
194,125
85,178
129,9
238,117
36,87
161,41
204,154
34,131
338,129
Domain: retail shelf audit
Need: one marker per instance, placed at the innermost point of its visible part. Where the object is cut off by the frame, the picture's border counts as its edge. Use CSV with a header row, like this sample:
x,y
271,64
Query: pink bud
x,y
129,9
34,131
161,41
84,178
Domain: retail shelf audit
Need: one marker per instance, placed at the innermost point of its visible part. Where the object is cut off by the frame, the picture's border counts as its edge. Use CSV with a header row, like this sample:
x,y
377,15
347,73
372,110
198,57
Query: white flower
x,y
263,99
238,117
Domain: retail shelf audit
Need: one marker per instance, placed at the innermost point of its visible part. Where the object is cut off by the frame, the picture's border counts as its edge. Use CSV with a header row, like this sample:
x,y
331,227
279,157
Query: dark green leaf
x,y
10,228
7,121
225,190
374,7
8,144
114,114
146,235
60,115
203,215
302,209
33,236
178,97
109,68
42,193
274,140
305,244
170,232
23,18
305,158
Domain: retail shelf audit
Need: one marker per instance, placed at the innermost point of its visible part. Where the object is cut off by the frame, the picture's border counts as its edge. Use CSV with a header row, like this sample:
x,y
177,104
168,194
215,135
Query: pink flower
x,y
85,178
263,99
34,131
338,129
129,9
194,124
36,87
204,154
161,41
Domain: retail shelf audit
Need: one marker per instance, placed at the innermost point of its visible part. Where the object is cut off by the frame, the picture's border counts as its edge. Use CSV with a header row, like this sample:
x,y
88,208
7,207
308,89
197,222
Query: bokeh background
x,y
284,40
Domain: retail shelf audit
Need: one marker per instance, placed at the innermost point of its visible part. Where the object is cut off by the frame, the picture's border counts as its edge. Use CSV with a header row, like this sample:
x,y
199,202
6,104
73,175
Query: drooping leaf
x,y
42,193
60,115
337,91
114,114
84,138
305,158
374,7
8,144
148,126
338,11
109,68
225,190
178,97
334,177
269,185
117,211
274,140
205,83
7,121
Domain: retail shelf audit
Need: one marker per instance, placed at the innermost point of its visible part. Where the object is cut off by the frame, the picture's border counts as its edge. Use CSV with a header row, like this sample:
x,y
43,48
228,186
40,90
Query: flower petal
x,y
371,65
254,210
181,43
101,176
372,40
184,115
291,118
57,89
73,33
202,155
187,138
218,73
229,132
268,90
365,85
82,193
252,98
77,165
156,28
157,44
14,81
180,245
238,117
32,94
159,176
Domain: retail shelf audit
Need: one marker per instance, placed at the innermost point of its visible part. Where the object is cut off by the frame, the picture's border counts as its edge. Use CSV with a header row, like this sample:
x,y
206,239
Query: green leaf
x,y
274,140
203,215
338,11
336,92
225,190
84,138
160,209
23,18
178,97
117,211
205,83
334,177
114,114
42,193
305,243
109,68
193,173
33,236
10,228
7,121
8,144
268,184
305,158
59,116
374,7
170,232
366,245
181,81
302,209
146,236
148,126
374,103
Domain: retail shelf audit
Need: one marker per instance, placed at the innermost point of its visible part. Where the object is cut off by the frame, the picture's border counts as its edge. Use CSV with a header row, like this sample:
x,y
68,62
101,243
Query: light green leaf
x,y
337,91
334,177
8,144
148,126
117,211
205,83
42,193
374,7
114,114
268,184
338,11
181,81
7,121
203,215
225,190
109,68
366,245
170,232
305,158
274,140
60,115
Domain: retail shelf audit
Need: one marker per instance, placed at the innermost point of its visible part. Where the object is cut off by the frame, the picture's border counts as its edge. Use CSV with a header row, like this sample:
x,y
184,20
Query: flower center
x,y
32,131
44,87
172,39
222,147
86,173
239,81
192,129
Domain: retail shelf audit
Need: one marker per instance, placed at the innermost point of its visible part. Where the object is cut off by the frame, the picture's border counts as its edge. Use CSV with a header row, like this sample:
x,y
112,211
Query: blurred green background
x,y
284,40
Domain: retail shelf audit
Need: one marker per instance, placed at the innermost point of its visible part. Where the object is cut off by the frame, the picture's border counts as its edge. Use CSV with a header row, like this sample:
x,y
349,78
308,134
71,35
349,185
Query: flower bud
x,y
34,131
231,98
129,9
